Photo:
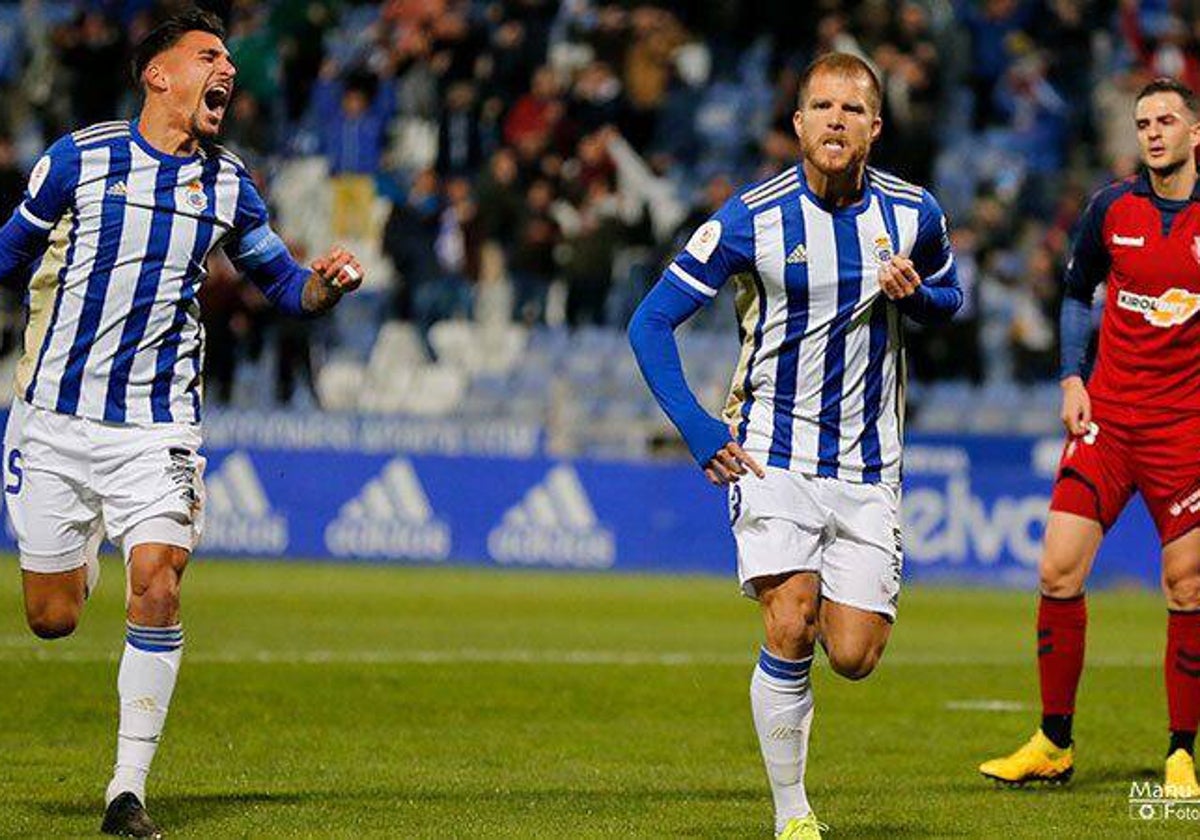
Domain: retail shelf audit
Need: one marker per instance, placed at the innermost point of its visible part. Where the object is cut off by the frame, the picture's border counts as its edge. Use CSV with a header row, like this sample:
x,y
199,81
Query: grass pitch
x,y
334,701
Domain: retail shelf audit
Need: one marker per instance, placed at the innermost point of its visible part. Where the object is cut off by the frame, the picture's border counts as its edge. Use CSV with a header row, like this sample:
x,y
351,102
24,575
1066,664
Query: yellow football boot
x,y
1040,760
802,828
1181,777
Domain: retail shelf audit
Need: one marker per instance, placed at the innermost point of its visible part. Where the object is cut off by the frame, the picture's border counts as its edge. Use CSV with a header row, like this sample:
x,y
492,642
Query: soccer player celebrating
x,y
104,433
825,256
1133,426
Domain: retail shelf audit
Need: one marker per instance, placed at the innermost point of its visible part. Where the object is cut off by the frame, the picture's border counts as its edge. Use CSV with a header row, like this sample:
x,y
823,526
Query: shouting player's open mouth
x,y
216,100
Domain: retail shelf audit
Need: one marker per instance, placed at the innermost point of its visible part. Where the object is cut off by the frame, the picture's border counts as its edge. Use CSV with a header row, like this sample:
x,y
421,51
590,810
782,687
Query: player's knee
x,y
791,625
1059,581
156,593
854,664
52,620
1182,590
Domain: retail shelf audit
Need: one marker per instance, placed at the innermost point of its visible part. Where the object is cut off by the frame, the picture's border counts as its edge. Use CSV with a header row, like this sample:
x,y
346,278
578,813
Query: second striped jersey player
x,y
818,385
826,257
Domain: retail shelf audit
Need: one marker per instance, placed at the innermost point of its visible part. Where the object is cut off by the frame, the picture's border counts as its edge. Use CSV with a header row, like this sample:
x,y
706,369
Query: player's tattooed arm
x,y
333,275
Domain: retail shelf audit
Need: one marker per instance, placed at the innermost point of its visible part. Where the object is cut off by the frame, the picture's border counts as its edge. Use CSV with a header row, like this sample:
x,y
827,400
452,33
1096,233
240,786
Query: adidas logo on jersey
x,y
238,516
118,189
553,525
799,255
389,518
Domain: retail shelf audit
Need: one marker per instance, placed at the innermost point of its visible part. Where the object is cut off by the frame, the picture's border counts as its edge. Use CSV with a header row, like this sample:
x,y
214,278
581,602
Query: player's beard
x,y
815,154
200,129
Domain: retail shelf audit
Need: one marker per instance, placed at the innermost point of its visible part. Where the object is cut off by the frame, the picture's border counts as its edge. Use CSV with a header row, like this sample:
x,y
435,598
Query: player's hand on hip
x,y
898,277
1076,406
339,270
731,463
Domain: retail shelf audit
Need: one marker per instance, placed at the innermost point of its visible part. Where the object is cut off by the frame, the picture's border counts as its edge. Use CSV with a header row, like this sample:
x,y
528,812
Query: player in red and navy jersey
x,y
1134,426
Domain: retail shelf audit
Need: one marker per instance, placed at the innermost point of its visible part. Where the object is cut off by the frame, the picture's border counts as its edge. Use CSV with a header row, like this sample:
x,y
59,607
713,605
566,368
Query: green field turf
x,y
323,701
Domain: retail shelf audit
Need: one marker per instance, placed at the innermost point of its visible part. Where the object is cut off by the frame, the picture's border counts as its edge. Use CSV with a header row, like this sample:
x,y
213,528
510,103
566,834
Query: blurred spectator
x,y
294,348
649,62
353,117
91,49
410,242
12,295
299,29
226,309
531,263
590,250
595,98
460,143
535,115
994,26
1113,101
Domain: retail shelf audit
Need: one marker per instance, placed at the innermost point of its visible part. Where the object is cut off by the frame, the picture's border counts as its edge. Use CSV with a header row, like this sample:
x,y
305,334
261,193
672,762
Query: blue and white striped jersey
x,y
114,329
819,385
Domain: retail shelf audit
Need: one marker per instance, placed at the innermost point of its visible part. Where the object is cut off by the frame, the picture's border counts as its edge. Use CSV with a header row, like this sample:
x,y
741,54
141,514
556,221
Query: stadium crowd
x,y
562,151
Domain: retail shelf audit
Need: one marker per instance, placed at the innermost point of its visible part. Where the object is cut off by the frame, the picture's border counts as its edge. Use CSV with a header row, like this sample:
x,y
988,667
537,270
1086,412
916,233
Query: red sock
x,y
1182,668
1062,628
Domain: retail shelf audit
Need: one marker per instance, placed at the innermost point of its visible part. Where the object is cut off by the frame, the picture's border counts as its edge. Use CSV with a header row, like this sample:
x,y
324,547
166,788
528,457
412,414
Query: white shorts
x,y
846,532
69,481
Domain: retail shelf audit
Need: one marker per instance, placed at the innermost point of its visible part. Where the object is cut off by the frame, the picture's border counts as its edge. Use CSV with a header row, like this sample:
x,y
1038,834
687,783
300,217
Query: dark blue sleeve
x,y
21,243
1090,260
939,296
261,255
651,333
1075,333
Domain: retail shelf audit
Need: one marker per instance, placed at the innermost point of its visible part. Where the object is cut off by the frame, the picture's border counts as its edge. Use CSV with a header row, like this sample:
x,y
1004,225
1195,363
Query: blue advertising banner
x,y
346,489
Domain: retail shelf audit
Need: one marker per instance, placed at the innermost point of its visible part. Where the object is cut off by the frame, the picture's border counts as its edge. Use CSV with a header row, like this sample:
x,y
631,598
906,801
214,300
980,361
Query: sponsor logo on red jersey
x,y
1173,307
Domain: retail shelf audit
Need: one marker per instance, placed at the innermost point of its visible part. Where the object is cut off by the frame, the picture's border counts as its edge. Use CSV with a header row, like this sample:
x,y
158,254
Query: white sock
x,y
144,683
782,701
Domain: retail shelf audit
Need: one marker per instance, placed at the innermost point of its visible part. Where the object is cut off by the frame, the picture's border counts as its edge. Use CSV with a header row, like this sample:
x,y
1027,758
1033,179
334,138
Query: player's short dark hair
x,y
1165,84
167,34
844,64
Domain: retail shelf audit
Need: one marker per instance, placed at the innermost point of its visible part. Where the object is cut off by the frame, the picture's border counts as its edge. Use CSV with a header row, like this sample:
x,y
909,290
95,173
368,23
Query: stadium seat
x,y
339,385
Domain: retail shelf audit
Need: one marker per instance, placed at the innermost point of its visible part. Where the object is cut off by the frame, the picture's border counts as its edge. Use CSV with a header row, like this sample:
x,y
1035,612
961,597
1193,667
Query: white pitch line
x,y
986,706
25,652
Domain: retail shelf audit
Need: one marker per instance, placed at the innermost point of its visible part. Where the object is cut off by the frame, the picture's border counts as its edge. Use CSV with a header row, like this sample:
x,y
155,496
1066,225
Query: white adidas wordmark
x,y
554,524
1132,241
390,518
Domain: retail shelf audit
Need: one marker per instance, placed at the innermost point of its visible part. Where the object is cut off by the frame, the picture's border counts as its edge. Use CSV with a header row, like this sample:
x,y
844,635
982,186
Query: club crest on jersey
x,y
1196,248
704,240
38,176
883,248
196,198
1172,308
